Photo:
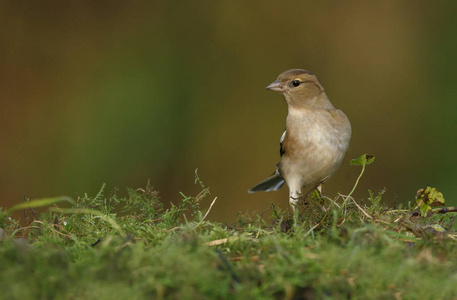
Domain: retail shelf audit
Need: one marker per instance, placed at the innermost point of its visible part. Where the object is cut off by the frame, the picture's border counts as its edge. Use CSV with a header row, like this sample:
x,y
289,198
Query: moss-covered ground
x,y
108,247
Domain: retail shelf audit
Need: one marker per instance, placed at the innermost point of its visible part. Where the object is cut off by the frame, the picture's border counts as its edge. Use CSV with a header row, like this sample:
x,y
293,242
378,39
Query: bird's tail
x,y
272,183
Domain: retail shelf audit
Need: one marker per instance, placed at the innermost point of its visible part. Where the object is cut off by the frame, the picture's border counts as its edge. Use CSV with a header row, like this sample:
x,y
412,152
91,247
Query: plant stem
x,y
357,181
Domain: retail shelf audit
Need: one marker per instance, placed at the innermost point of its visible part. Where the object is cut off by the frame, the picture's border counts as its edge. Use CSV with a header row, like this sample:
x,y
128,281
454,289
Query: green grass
x,y
107,247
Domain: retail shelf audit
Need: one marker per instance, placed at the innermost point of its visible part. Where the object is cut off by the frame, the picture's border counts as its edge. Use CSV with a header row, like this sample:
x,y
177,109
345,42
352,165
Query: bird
x,y
315,140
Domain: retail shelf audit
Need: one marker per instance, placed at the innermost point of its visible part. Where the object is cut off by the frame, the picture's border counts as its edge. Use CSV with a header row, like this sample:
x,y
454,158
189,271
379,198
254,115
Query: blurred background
x,y
120,92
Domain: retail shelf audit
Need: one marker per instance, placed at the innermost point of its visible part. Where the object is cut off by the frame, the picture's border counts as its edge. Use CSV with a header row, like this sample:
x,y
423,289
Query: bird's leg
x,y
294,196
320,188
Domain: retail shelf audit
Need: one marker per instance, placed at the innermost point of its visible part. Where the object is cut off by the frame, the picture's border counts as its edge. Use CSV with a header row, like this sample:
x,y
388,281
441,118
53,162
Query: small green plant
x,y
375,201
364,160
428,197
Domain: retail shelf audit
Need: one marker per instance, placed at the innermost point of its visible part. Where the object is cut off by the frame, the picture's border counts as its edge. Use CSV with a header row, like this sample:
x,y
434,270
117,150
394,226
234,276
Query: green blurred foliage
x,y
120,92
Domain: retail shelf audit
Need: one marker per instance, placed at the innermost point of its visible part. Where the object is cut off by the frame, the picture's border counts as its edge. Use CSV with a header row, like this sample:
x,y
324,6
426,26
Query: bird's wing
x,y
281,142
272,183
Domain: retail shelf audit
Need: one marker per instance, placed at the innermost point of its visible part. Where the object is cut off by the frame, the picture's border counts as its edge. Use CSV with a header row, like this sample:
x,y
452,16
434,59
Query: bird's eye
x,y
296,83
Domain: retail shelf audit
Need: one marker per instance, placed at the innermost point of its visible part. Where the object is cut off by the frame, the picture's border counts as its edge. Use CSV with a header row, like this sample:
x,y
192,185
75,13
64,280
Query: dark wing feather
x,y
272,183
281,142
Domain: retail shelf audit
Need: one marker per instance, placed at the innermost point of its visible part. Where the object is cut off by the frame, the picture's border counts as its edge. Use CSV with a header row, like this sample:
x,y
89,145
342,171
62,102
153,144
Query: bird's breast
x,y
314,145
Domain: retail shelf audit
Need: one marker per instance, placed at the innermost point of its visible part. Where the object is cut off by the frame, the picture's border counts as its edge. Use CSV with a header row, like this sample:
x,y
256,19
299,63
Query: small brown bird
x,y
316,138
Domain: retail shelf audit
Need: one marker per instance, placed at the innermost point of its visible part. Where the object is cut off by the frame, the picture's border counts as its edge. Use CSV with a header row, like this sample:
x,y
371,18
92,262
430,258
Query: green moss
x,y
117,248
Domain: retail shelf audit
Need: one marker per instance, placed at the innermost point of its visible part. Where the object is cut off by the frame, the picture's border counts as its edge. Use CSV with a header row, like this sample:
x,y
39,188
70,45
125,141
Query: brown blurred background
x,y
120,92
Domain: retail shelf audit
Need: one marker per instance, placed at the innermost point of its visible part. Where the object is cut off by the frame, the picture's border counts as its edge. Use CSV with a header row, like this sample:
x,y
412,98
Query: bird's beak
x,y
276,87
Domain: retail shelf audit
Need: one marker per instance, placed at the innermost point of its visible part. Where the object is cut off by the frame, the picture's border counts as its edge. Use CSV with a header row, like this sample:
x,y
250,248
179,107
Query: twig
x,y
207,212
265,210
217,242
228,266
27,228
398,219
364,212
331,200
314,227
342,222
444,210
96,242
382,221
452,236
229,239
356,204
35,214
397,211
440,210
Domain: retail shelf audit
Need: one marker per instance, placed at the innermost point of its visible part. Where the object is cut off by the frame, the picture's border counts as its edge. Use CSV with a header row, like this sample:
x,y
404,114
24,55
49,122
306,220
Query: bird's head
x,y
300,89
